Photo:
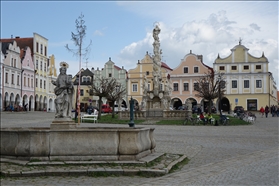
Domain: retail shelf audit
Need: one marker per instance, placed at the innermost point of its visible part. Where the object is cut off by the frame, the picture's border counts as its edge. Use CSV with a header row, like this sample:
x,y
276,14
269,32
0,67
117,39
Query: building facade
x,y
110,70
11,73
248,80
136,78
39,49
27,78
183,79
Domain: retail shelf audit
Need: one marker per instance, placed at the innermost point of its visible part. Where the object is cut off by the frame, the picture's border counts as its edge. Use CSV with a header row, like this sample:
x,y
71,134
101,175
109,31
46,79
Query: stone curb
x,y
89,171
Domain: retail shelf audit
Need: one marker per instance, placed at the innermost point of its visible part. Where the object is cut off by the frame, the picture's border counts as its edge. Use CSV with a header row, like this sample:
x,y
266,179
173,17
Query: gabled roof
x,y
21,42
165,66
5,47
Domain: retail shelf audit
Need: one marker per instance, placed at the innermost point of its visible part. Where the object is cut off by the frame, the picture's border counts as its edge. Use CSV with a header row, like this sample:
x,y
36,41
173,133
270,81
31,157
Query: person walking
x,y
266,110
262,111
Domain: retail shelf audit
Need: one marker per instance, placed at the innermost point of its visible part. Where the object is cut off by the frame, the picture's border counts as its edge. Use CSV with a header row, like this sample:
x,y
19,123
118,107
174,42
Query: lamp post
x,y
76,111
131,123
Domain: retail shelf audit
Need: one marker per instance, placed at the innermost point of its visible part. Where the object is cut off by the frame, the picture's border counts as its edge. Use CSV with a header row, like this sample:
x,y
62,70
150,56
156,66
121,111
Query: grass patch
x,y
108,119
179,165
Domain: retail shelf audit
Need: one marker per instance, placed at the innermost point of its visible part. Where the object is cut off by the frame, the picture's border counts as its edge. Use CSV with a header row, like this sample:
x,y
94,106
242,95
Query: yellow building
x,y
136,77
249,82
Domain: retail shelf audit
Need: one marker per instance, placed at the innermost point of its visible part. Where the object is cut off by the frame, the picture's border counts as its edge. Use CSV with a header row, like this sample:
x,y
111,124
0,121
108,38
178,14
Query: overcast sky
x,y
123,30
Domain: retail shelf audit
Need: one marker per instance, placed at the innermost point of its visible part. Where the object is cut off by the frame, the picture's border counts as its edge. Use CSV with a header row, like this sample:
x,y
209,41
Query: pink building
x,y
28,78
183,79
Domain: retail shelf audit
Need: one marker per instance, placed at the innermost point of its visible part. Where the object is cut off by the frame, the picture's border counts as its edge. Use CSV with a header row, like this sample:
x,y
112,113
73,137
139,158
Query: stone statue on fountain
x,y
64,93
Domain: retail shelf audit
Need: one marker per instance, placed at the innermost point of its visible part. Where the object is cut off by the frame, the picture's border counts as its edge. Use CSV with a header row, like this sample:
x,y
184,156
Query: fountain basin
x,y
77,144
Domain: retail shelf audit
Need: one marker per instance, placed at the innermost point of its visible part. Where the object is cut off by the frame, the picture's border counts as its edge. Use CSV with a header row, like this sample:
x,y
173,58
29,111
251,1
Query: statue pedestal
x,y
62,123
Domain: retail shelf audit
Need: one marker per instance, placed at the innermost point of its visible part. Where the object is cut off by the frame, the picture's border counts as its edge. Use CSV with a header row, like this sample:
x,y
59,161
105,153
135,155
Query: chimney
x,y
200,57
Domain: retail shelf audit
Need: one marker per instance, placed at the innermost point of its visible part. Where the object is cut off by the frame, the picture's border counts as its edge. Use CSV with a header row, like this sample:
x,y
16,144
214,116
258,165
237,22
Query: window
x,y
109,74
246,67
161,86
45,51
81,92
32,83
37,64
41,48
185,69
221,67
41,65
40,83
88,79
258,83
186,87
37,47
17,79
7,75
234,84
12,62
28,84
147,73
175,87
258,67
13,76
36,82
196,86
135,87
44,84
45,67
148,86
24,82
196,69
234,68
246,83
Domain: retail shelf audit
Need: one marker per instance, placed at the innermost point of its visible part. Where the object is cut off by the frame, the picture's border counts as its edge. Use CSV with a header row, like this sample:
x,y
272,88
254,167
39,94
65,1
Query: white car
x,y
117,109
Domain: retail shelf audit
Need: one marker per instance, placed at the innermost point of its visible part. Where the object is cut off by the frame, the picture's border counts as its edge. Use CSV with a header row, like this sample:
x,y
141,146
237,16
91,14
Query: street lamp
x,y
76,111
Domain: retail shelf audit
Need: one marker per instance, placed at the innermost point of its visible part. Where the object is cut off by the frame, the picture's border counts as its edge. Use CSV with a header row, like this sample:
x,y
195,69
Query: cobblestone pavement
x,y
219,155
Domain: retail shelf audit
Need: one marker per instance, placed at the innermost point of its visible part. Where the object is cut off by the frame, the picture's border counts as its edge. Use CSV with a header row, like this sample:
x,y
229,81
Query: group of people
x,y
274,110
207,118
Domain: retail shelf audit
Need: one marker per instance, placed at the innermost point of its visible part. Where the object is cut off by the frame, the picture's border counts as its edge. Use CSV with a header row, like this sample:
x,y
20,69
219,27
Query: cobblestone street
x,y
219,155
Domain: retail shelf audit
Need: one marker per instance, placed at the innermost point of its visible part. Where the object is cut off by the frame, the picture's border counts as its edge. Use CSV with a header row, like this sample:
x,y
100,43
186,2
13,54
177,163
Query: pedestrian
x,y
262,111
202,118
266,110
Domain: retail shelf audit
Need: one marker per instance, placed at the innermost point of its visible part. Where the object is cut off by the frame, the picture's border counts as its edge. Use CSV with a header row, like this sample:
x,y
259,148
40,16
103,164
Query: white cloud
x,y
255,27
98,32
216,34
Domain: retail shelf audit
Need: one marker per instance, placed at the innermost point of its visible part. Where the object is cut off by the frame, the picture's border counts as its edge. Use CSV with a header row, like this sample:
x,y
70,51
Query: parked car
x,y
194,109
238,109
106,108
117,108
181,108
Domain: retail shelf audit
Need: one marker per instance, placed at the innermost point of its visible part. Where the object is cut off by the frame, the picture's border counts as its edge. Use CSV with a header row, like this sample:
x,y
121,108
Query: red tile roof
x,y
165,66
21,42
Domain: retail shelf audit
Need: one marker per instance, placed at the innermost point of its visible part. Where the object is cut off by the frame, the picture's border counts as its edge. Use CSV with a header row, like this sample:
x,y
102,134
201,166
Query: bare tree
x,y
78,39
101,88
117,93
210,86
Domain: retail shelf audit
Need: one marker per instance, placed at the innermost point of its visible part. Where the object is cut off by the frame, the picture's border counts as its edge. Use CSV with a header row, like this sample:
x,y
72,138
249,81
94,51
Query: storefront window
x,y
252,104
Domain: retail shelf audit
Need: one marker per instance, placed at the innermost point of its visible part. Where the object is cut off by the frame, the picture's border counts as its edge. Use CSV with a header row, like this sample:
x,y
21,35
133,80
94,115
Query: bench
x,y
89,117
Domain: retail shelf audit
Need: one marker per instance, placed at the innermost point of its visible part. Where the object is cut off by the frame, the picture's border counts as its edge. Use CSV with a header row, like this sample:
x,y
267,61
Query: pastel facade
x,y
11,73
39,47
136,77
51,76
183,78
249,82
28,78
1,83
111,70
87,77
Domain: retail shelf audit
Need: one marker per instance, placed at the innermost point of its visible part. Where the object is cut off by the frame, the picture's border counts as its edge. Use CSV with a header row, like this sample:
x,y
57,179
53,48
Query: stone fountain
x,y
66,141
